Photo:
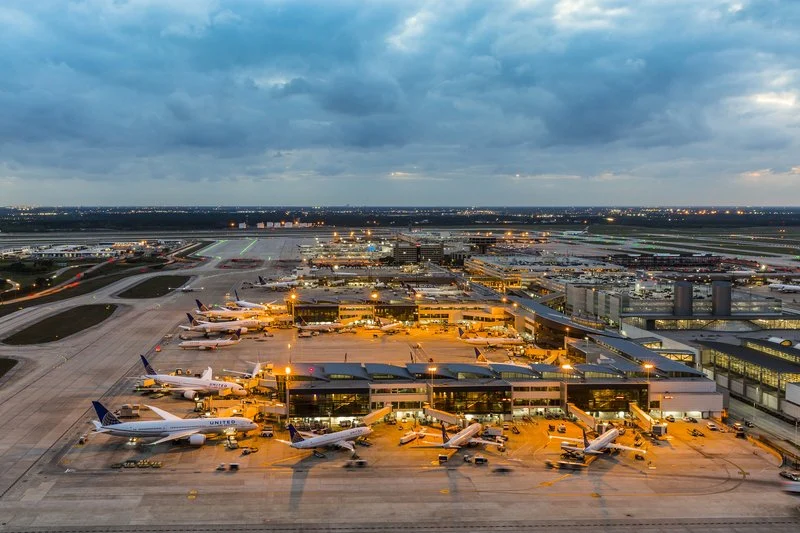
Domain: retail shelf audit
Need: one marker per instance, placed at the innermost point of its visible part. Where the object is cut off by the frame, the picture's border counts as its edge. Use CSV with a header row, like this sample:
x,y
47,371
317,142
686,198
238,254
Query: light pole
x,y
288,371
648,367
432,369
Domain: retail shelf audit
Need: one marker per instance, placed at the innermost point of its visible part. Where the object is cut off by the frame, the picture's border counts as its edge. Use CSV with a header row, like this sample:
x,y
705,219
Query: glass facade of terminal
x,y
736,366
322,403
606,398
477,401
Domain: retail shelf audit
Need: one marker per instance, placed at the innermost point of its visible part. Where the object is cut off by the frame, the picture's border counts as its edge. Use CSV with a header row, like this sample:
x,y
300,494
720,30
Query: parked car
x,y
712,426
737,426
749,424
791,476
669,418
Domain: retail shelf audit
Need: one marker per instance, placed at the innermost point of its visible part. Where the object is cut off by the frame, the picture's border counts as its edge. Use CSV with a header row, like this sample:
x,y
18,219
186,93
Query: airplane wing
x,y
621,447
568,439
163,414
174,436
207,374
487,442
346,444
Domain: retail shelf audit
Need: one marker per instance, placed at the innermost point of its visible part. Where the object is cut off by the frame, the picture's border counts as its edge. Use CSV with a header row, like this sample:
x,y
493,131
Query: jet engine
x,y
190,395
198,439
240,392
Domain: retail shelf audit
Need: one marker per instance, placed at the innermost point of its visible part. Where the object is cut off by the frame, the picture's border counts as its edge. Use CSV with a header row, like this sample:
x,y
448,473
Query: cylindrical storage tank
x,y
682,298
721,298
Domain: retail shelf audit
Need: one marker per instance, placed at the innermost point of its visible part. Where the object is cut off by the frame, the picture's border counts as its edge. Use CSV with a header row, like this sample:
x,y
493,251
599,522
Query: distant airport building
x,y
757,371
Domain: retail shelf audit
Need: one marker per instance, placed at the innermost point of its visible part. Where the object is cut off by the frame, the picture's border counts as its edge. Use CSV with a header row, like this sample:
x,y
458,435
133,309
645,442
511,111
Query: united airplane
x,y
170,427
190,386
597,446
490,341
342,439
230,326
463,438
212,344
227,314
244,304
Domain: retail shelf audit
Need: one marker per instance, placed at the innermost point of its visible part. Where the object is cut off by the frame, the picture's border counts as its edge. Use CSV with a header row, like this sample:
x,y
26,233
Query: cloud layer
x,y
400,102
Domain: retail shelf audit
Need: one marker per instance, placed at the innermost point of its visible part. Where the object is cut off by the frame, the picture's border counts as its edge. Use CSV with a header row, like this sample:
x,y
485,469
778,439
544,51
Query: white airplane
x,y
597,446
284,283
782,287
490,341
212,344
324,327
584,231
186,288
306,441
230,326
257,370
229,314
244,304
463,438
389,327
190,386
170,427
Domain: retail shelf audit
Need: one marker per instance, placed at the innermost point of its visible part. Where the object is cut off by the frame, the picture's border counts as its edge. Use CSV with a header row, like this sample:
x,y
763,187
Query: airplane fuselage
x,y
332,438
463,437
163,428
198,384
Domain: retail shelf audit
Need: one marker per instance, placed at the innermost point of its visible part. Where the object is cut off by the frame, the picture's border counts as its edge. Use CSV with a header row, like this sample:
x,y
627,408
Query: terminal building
x,y
606,388
763,372
681,306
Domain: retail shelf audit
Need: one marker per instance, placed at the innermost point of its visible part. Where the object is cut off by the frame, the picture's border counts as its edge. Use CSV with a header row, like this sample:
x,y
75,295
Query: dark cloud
x,y
644,102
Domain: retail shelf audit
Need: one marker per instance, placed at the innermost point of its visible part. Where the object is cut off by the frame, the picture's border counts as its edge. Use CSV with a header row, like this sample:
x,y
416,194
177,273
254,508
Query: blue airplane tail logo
x,y
147,368
105,416
295,435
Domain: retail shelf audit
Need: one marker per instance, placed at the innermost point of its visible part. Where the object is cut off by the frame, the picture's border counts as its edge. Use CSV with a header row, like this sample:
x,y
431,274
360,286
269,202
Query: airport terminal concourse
x,y
339,391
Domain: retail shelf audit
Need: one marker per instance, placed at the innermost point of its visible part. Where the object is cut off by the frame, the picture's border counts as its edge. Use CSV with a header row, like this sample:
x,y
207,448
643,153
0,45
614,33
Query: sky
x,y
501,103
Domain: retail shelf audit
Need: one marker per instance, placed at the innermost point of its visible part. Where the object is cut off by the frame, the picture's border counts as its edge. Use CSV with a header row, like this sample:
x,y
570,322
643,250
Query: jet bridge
x,y
648,422
443,416
377,415
582,415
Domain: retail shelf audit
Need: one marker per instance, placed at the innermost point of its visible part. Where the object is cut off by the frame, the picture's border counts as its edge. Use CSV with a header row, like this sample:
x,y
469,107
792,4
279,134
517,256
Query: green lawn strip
x,y
62,325
154,287
84,287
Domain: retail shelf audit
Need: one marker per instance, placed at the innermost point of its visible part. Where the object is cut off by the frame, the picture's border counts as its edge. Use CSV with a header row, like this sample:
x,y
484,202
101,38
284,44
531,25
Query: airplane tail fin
x,y
460,332
294,435
236,293
238,334
261,280
479,357
147,368
106,417
192,320
257,369
585,440
444,433
200,305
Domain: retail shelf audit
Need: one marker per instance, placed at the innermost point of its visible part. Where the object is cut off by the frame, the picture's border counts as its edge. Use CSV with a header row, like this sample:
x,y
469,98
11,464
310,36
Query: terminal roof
x,y
755,357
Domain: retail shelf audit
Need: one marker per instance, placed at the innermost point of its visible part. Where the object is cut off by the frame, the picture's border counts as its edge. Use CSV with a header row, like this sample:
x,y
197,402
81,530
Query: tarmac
x,y
49,482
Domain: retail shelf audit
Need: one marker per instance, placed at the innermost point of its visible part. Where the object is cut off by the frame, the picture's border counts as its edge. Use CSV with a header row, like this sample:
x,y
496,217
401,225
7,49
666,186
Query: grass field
x,y
154,287
62,325
84,287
